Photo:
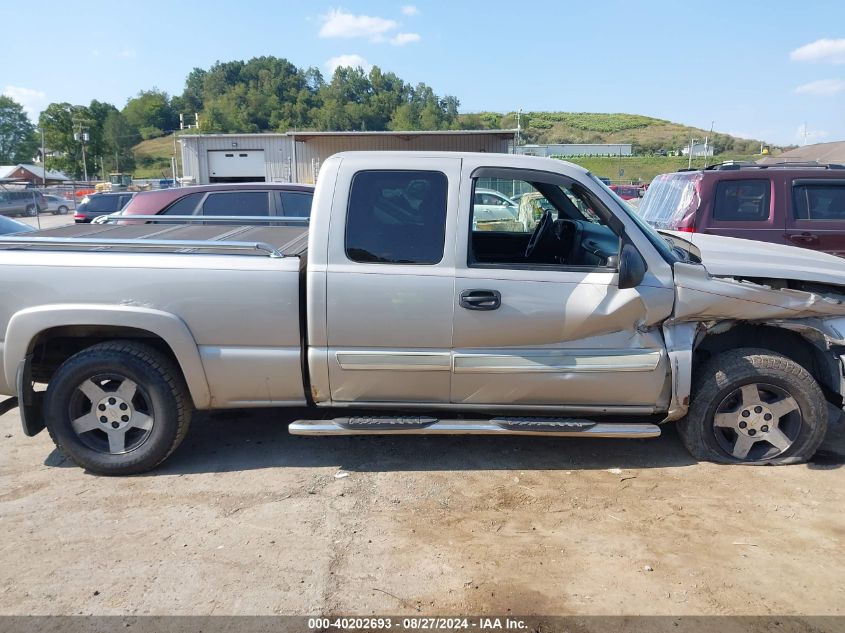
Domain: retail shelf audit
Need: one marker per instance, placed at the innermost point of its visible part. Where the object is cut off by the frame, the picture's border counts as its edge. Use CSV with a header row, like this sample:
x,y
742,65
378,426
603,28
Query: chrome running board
x,y
425,425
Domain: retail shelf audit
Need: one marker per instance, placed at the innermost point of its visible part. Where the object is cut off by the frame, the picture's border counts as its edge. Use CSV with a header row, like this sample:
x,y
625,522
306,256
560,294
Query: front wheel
x,y
117,408
32,211
63,210
753,406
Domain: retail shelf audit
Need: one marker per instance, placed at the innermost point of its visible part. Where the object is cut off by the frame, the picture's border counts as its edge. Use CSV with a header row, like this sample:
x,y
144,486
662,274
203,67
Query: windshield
x,y
666,251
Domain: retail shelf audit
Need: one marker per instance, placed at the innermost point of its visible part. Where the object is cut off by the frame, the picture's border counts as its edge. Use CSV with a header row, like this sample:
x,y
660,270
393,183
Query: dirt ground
x,y
246,519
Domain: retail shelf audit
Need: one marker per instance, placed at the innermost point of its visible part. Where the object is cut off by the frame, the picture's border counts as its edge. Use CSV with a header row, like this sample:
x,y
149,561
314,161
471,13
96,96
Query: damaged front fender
x,y
707,305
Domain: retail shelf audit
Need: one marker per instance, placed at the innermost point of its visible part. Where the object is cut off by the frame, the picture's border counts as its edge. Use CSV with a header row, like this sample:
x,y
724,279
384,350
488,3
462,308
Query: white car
x,y
493,210
58,205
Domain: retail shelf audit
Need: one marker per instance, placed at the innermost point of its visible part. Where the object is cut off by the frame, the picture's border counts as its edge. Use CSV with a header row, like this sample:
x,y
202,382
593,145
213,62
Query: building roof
x,y
819,152
36,170
308,134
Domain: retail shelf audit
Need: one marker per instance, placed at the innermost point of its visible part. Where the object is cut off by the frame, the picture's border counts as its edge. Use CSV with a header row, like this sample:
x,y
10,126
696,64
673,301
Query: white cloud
x,y
821,51
352,61
33,101
127,52
338,23
822,87
400,39
410,9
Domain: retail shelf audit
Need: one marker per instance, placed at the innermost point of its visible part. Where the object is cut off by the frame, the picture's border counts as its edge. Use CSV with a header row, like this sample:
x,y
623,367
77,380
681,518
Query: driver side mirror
x,y
632,267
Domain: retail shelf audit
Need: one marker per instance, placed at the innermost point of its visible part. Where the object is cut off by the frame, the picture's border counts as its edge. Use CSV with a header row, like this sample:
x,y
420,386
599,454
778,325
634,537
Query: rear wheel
x,y
32,211
752,406
62,210
117,408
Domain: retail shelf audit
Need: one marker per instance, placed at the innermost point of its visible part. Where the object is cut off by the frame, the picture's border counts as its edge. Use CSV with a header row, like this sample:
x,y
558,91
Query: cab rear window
x,y
396,217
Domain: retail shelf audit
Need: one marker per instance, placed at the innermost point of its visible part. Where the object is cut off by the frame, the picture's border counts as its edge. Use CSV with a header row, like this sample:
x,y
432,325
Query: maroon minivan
x,y
800,204
232,199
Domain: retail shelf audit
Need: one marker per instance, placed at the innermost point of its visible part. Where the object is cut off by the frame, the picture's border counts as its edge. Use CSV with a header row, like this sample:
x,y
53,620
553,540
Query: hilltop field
x,y
647,135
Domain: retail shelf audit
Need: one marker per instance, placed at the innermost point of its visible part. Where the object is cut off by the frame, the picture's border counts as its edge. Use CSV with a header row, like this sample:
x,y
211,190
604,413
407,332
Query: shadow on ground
x,y
251,440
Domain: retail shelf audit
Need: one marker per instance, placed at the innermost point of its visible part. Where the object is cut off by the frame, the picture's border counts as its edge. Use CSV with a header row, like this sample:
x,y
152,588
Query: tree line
x,y
264,94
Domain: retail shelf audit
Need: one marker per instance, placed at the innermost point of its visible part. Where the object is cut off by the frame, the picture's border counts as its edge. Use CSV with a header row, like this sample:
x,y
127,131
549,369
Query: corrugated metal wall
x,y
278,154
311,151
576,149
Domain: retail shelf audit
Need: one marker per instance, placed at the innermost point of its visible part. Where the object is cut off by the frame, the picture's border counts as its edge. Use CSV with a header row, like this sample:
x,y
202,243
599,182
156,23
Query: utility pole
x,y
691,143
43,161
83,137
707,139
518,127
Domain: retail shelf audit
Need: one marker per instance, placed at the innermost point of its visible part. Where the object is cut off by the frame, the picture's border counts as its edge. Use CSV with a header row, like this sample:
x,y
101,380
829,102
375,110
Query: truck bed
x,y
232,291
289,241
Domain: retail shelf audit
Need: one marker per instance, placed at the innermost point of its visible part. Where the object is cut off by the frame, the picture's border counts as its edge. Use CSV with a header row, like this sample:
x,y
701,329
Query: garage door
x,y
236,165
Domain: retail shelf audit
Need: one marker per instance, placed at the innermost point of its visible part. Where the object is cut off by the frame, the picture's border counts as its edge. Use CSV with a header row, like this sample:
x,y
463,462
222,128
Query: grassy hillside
x,y
644,168
646,134
152,157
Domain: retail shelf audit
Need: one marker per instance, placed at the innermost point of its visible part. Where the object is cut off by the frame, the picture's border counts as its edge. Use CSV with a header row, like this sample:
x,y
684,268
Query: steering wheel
x,y
544,226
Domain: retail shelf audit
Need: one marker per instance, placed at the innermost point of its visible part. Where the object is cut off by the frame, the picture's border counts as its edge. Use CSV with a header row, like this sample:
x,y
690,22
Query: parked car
x,y
58,205
18,202
9,226
493,211
587,326
98,204
233,199
627,192
787,203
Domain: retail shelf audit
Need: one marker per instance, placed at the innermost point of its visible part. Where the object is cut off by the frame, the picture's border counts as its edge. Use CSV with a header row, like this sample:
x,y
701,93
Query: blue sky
x,y
759,69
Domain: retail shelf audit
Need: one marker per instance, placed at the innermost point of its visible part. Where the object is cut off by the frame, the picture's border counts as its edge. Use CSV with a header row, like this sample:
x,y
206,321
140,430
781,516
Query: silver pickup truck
x,y
398,312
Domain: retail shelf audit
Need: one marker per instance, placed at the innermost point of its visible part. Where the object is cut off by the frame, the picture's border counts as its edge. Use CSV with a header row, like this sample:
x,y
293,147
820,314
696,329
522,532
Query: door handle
x,y
804,238
481,299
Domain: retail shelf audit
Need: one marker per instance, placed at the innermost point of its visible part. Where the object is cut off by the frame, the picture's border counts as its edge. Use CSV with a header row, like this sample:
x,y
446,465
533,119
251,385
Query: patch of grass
x,y
152,157
645,168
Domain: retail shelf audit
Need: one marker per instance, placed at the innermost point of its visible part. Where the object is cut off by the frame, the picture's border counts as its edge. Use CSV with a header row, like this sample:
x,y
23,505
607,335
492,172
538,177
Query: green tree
x,y
151,113
60,121
18,143
119,137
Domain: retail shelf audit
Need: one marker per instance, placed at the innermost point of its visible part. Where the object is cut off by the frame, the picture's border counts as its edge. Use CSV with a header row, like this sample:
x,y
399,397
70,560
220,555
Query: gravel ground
x,y
246,519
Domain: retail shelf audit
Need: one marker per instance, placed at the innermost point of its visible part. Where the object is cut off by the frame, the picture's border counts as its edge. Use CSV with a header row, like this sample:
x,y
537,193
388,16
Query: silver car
x,y
58,205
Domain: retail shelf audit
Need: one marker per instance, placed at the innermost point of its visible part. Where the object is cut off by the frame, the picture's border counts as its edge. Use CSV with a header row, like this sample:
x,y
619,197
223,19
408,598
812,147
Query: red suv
x,y
258,199
627,192
788,203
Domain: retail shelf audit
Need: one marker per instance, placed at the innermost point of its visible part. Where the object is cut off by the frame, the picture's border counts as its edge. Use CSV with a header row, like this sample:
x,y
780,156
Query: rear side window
x,y
819,202
296,204
742,201
670,199
184,206
104,204
396,217
237,203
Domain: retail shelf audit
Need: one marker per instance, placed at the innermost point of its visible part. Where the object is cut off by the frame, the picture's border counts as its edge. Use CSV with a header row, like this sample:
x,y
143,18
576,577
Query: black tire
x,y
31,211
160,399
62,210
779,383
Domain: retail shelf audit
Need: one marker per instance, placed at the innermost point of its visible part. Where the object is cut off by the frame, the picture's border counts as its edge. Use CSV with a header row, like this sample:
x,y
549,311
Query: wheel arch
x,y
41,338
805,345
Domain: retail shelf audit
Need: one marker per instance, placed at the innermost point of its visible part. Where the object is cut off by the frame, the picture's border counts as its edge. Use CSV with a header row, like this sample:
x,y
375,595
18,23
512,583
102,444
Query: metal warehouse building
x,y
576,149
297,156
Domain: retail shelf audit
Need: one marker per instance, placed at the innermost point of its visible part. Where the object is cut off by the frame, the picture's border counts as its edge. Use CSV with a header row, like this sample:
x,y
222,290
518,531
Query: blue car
x,y
8,225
